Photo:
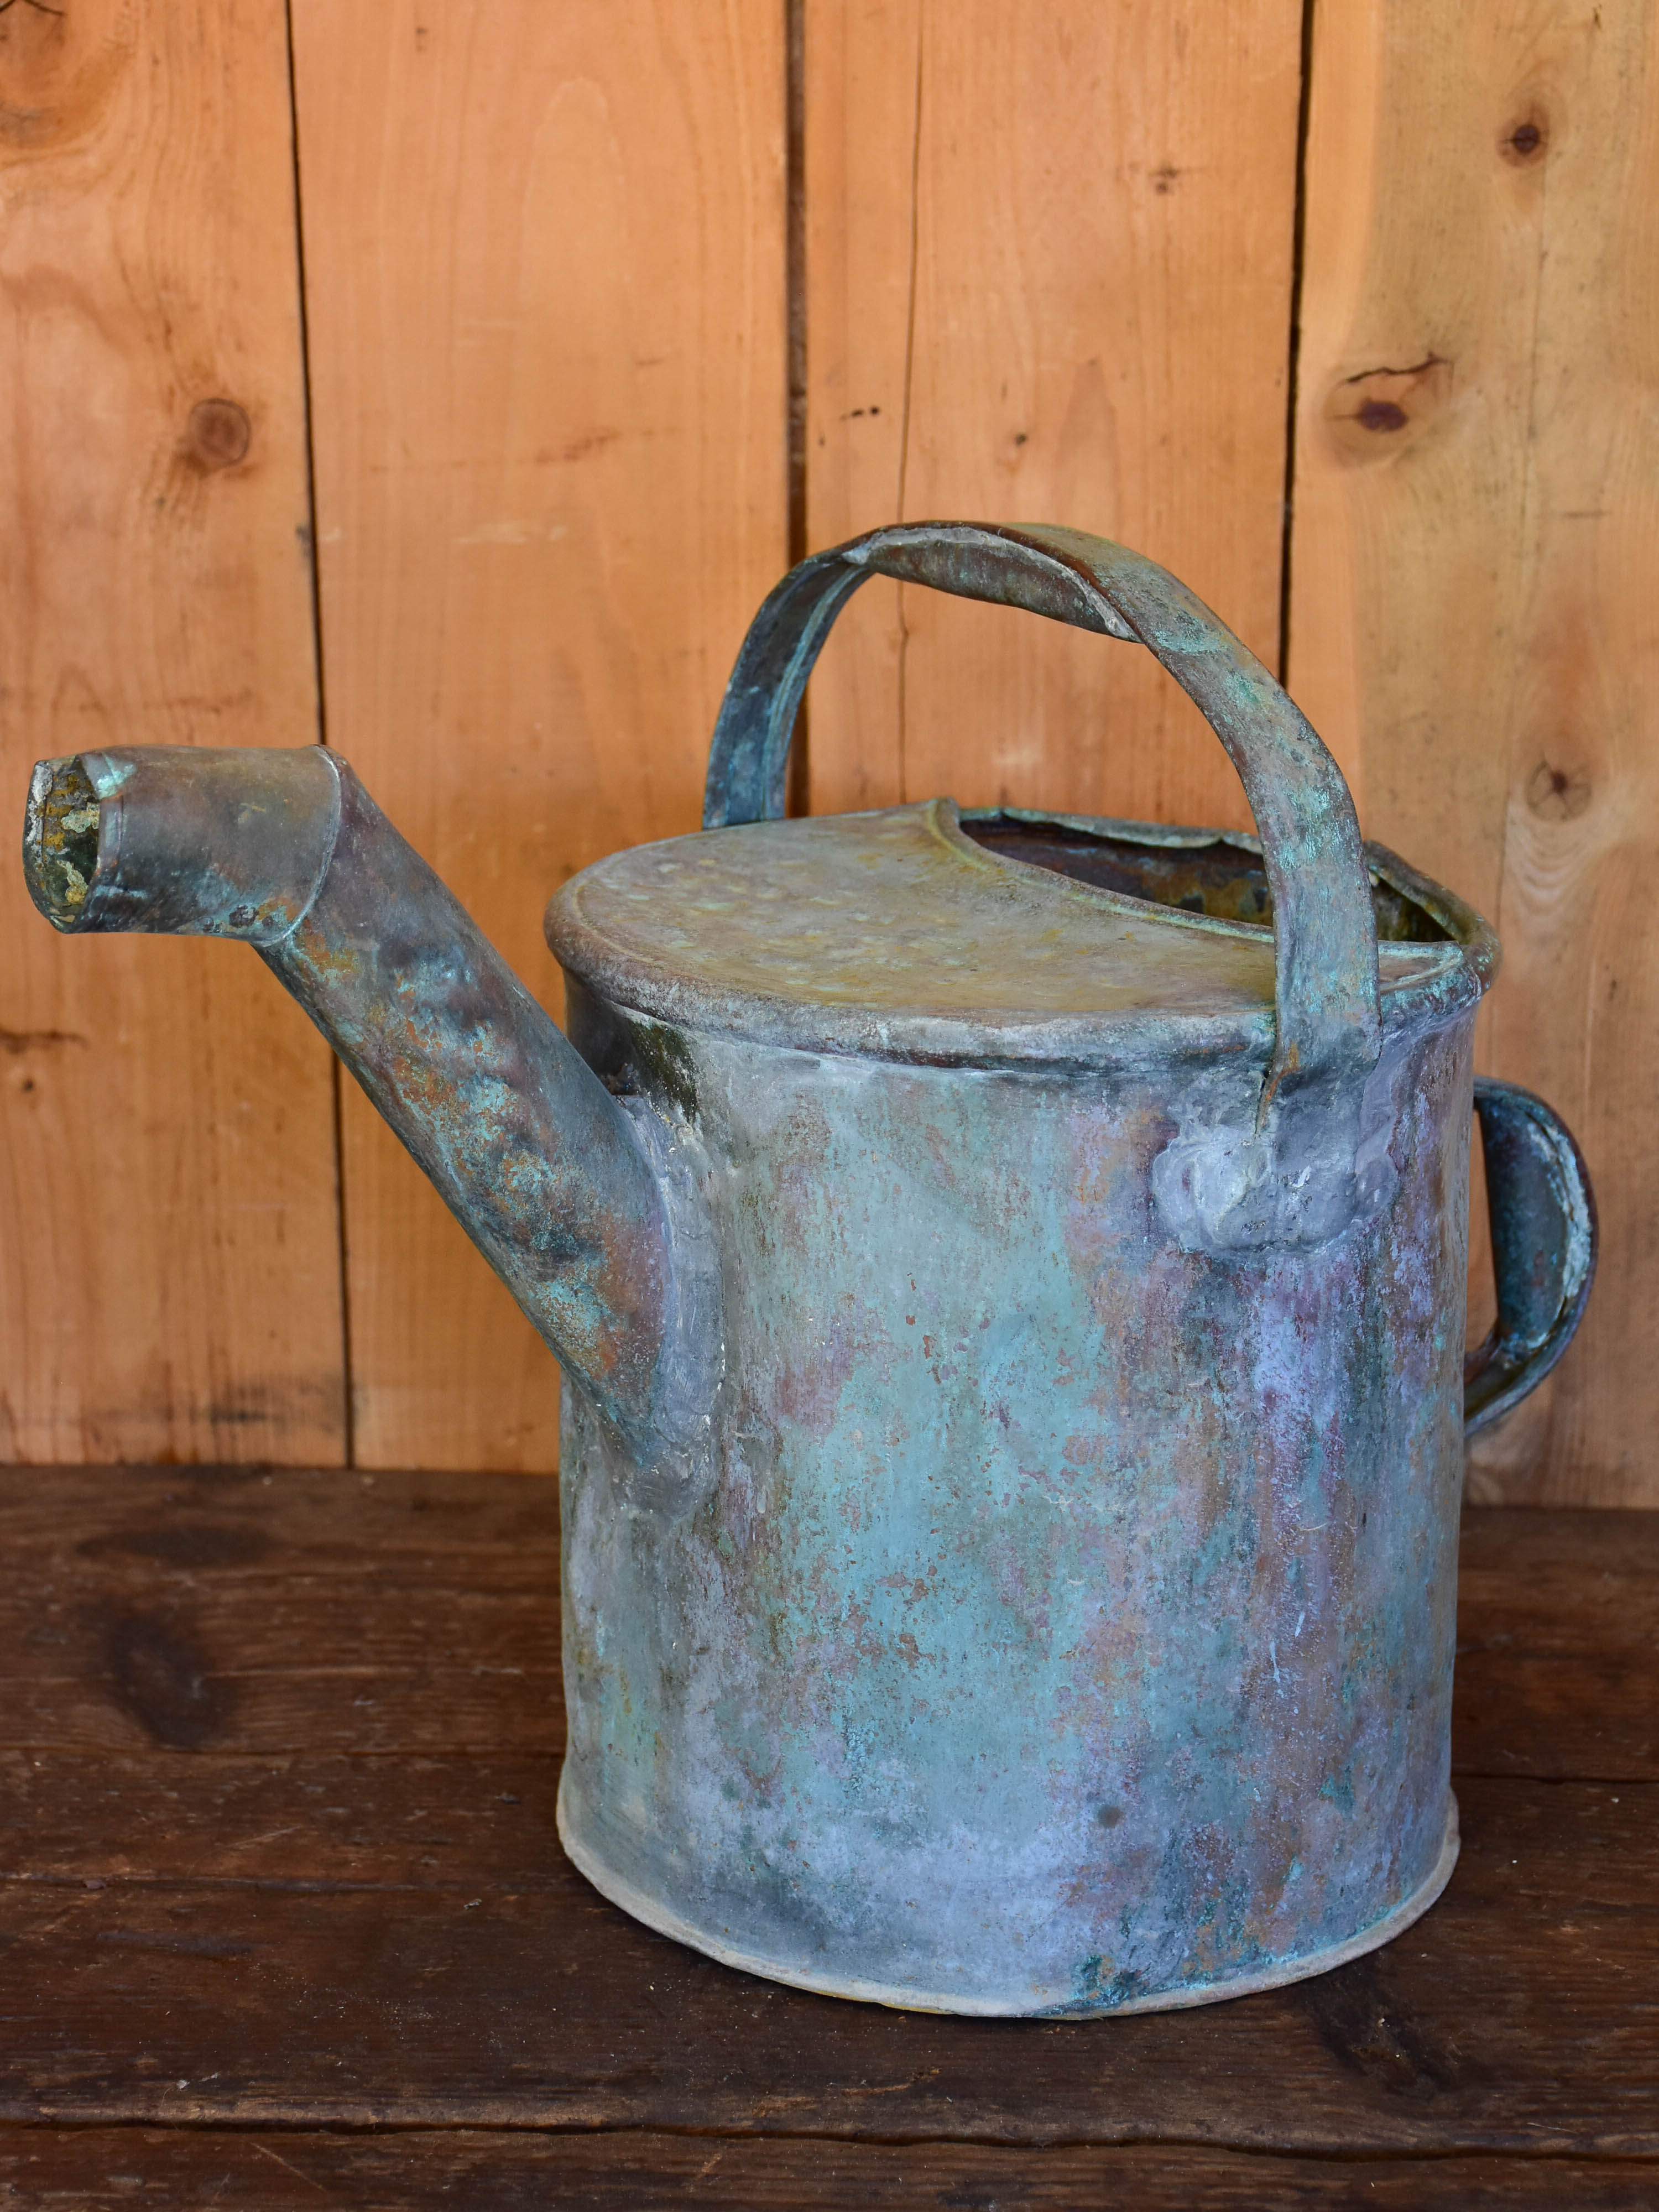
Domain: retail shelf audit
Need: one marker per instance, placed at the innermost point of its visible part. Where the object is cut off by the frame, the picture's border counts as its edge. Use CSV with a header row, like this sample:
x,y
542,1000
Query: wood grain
x,y
545,254
391,2003
367,1819
368,1926
199,1613
1048,260
374,1934
1558,1624
105,2170
1472,625
169,1276
194,1611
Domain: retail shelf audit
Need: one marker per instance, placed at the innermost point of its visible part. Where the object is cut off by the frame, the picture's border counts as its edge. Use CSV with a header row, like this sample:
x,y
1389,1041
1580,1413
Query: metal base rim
x,y
1060,2005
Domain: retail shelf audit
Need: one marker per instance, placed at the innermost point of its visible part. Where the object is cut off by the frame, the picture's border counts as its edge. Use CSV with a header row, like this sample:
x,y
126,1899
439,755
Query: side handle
x,y
1543,1248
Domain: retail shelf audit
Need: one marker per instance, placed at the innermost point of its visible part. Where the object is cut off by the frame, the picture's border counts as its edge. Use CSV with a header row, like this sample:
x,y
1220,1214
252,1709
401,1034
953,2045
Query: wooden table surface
x,y
287,1923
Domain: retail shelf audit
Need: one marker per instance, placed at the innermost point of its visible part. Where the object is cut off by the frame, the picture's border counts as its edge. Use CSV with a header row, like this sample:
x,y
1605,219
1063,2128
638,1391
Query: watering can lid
x,y
898,933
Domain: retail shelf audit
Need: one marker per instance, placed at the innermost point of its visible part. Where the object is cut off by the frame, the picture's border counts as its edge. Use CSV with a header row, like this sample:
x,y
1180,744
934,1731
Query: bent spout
x,y
548,1175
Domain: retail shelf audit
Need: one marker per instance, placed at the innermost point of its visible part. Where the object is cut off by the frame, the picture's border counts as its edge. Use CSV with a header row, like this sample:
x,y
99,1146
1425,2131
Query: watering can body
x,y
1065,1619
1016,1385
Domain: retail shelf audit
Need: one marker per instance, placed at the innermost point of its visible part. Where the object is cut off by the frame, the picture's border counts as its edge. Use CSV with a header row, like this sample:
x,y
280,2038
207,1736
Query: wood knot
x,y
1525,139
57,76
161,1678
218,434
1377,412
1557,794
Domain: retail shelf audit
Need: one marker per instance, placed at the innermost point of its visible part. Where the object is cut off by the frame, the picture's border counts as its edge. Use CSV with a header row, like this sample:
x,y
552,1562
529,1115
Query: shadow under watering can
x,y
1009,1273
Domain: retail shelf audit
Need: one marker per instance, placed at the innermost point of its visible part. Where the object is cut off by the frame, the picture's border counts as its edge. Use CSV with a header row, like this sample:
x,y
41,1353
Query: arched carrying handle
x,y
1328,1032
1543,1248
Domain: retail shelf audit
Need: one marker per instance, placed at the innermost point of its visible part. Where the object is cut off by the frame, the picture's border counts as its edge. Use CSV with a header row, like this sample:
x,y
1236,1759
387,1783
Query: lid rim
x,y
919,1037
1438,991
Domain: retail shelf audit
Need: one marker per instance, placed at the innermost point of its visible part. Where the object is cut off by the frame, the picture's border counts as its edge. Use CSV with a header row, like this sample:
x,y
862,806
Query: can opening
x,y
1214,876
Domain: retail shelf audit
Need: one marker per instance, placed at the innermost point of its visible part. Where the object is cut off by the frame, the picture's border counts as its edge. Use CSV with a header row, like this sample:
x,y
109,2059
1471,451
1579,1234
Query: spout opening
x,y
182,840
61,841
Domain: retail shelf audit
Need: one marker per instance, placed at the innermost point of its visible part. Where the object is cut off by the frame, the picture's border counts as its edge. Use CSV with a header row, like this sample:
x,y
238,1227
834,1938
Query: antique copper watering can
x,y
1009,1271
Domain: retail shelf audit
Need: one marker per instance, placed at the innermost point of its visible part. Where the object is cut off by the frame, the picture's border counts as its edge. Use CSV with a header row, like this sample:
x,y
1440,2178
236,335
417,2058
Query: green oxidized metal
x,y
1011,1274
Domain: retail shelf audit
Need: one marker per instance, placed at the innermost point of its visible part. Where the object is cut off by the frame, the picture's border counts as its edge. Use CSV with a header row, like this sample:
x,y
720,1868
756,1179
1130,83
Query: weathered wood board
x,y
169,1258
545,260
1472,624
360,1963
126,1591
1048,268
492,2002
101,2169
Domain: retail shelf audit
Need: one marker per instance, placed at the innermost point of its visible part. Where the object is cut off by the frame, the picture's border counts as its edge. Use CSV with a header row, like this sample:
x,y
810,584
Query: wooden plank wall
x,y
545,253
1475,624
1145,269
1050,258
169,1266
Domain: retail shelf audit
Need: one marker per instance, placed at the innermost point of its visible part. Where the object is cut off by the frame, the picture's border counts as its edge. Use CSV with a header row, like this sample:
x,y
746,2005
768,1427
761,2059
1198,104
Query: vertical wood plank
x,y
169,1279
545,268
1048,263
1474,624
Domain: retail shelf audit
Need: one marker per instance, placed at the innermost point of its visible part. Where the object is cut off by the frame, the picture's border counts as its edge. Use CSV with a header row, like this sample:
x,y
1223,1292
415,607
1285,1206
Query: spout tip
x,y
60,840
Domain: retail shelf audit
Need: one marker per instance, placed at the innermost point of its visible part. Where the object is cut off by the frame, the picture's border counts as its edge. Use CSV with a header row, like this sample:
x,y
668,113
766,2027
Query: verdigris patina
x,y
1010,1272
